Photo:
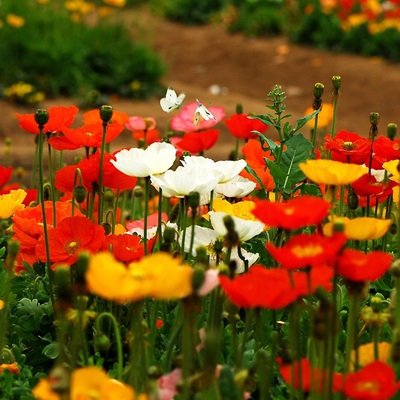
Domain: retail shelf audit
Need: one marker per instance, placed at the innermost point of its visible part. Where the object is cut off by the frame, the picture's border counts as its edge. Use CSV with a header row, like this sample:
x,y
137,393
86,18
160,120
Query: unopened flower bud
x,y
202,256
80,194
109,196
198,277
102,342
374,118
106,113
393,228
41,117
391,131
13,248
239,108
62,279
107,228
194,200
218,245
138,191
318,90
337,82
352,201
8,141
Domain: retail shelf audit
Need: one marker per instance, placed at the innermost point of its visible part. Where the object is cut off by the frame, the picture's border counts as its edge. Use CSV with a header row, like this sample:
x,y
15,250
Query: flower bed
x,y
155,272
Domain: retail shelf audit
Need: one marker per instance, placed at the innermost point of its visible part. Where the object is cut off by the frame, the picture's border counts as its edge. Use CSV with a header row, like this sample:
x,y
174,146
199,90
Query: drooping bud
x,y
102,342
352,200
80,193
41,117
106,113
391,131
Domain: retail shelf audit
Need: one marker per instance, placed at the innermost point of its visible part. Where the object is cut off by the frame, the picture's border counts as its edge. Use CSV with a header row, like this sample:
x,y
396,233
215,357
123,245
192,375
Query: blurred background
x,y
224,52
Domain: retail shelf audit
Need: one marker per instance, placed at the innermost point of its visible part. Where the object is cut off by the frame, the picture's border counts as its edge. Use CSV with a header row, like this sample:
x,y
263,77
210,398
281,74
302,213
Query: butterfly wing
x,y
203,112
171,101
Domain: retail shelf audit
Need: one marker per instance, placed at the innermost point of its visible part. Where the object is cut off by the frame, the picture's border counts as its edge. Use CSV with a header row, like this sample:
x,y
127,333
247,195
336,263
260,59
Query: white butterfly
x,y
202,111
171,101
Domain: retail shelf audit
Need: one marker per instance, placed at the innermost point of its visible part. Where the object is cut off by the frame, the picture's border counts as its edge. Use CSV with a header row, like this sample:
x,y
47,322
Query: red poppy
x,y
348,147
59,118
71,236
86,136
152,136
357,266
28,226
5,174
375,381
385,150
241,126
273,288
367,185
128,248
312,379
292,214
93,117
305,250
197,142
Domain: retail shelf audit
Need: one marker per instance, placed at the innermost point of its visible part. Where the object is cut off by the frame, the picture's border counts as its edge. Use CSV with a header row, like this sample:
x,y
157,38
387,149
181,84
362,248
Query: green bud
x,y
352,201
239,108
8,141
391,131
82,265
374,118
218,245
186,154
80,194
194,200
229,223
154,372
106,113
13,248
318,90
395,269
138,192
108,196
102,342
393,228
169,234
107,228
62,280
337,82
41,117
198,277
202,256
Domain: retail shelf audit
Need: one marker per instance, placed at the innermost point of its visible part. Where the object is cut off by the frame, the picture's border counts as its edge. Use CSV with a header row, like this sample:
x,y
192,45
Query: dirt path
x,y
245,69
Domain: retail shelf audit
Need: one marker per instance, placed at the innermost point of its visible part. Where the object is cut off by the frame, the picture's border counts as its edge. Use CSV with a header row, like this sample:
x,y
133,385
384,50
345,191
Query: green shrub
x,y
196,12
258,18
62,57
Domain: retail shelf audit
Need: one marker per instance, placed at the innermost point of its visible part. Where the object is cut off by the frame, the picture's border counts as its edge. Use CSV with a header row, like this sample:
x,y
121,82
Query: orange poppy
x,y
71,236
93,117
197,142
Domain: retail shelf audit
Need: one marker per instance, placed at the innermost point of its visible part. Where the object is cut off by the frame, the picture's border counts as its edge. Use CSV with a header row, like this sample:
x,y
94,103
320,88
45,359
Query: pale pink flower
x,y
137,123
211,281
167,384
185,120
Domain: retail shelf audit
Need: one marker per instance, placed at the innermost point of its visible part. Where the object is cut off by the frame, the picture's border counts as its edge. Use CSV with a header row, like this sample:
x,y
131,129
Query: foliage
x,y
60,55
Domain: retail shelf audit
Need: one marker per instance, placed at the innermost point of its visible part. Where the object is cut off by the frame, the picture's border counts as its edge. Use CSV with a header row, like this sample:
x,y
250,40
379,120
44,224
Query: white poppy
x,y
156,159
236,187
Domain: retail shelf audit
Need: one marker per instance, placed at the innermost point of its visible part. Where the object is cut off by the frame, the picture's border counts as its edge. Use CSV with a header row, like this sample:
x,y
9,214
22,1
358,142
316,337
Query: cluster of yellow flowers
x,y
22,92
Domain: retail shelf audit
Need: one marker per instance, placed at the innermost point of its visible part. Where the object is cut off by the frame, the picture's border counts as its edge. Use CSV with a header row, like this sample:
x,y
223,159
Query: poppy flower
x,y
11,203
330,172
367,185
128,248
361,228
112,280
348,147
71,236
241,126
5,175
86,136
366,353
393,168
155,159
198,142
28,226
375,381
305,250
242,209
357,266
324,116
150,136
59,118
13,368
313,379
185,120
295,213
237,187
31,194
273,288
385,150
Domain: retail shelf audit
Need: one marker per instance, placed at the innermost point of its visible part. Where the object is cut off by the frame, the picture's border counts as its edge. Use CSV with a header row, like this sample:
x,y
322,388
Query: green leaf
x,y
52,350
288,173
252,172
302,121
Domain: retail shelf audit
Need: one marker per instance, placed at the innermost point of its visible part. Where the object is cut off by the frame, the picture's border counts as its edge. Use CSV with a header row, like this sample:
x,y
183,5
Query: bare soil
x,y
241,70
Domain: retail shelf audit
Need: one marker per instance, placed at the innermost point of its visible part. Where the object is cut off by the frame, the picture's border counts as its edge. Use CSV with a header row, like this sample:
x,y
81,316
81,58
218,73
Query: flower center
x,y
349,146
289,210
71,247
310,250
368,386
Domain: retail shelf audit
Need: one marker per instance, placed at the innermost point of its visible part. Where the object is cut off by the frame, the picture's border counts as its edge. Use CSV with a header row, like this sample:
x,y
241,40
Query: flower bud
x,y
218,245
41,117
352,201
62,279
138,191
106,113
194,200
202,256
109,196
337,82
374,118
318,90
239,108
80,194
391,131
82,264
393,228
13,248
102,342
198,277
107,228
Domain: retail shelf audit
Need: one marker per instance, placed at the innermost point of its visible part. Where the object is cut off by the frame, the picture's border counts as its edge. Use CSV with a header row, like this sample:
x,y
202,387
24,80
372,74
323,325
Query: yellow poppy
x,y
366,354
158,275
324,116
242,209
15,21
1,304
362,228
12,202
331,172
392,168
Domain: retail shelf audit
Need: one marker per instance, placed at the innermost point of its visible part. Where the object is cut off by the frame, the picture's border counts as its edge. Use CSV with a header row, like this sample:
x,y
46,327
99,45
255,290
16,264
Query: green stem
x,y
146,211
100,191
352,329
